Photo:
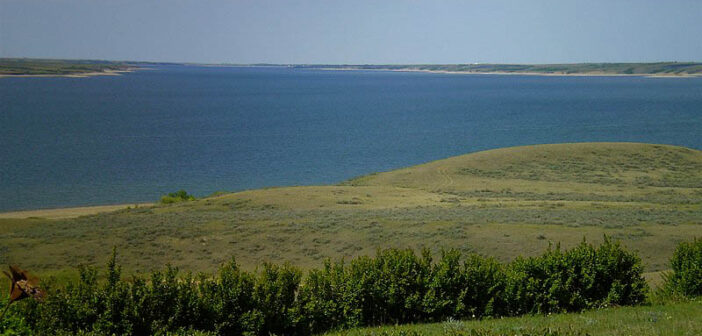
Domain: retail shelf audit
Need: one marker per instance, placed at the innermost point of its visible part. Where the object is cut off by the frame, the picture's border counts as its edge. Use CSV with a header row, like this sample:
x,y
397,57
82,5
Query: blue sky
x,y
352,32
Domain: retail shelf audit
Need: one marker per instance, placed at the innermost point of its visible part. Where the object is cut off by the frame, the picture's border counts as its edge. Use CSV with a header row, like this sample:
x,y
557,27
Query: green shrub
x,y
445,287
13,323
327,301
581,278
65,309
231,303
686,277
178,196
482,291
275,291
468,290
396,286
232,307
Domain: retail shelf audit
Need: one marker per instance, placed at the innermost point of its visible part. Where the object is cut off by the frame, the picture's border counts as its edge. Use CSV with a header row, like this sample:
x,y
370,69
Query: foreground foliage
x,y
686,278
395,286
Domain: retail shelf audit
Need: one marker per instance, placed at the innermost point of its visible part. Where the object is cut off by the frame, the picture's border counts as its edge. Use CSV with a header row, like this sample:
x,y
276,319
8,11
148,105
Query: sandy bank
x,y
63,213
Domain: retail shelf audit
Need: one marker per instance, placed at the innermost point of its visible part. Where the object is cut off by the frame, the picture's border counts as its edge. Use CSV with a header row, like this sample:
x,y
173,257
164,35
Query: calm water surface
x,y
102,140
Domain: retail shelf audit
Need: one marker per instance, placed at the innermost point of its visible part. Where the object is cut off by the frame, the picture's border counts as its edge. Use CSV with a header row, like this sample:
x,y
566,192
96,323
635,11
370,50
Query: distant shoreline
x,y
27,68
502,73
75,75
505,73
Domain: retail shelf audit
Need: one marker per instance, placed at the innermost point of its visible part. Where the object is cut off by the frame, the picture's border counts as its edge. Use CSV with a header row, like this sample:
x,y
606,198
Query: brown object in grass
x,y
23,285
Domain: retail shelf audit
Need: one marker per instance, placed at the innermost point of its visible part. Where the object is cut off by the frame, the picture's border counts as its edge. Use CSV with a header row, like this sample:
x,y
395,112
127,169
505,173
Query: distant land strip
x,y
29,67
661,69
25,67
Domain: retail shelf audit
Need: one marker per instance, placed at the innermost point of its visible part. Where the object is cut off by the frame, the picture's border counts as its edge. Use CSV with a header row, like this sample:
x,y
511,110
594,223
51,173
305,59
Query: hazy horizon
x,y
336,64
359,32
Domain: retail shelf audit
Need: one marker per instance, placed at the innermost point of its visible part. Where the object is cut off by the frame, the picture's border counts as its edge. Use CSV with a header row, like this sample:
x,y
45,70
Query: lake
x,y
132,138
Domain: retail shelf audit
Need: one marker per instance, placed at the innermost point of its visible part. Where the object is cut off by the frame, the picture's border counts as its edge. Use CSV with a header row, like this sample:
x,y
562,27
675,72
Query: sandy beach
x,y
63,213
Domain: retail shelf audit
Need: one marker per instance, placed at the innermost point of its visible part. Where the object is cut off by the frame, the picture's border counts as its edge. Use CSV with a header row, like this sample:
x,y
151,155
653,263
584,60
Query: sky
x,y
354,31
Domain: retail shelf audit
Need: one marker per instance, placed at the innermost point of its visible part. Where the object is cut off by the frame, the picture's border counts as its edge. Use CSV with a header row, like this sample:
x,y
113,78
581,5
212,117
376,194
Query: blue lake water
x,y
132,138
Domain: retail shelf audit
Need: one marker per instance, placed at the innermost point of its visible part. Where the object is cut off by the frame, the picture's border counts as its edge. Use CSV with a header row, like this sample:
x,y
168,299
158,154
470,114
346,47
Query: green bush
x,y
469,290
13,323
482,292
232,307
396,286
327,300
686,277
275,292
229,303
445,287
581,278
178,196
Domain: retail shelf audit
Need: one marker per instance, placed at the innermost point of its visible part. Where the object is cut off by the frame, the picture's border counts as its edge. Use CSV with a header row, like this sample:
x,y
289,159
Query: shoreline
x,y
75,75
70,212
504,73
77,211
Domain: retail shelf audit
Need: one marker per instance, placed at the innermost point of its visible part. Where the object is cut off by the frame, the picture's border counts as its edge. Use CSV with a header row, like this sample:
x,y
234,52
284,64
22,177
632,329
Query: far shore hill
x,y
660,69
27,67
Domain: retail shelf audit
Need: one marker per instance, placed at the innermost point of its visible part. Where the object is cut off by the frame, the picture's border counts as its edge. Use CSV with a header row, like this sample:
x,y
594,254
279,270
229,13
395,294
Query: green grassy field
x,y
645,69
502,203
670,319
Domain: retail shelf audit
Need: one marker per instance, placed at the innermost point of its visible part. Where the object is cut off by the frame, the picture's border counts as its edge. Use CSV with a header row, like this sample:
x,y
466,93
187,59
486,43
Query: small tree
x,y
686,278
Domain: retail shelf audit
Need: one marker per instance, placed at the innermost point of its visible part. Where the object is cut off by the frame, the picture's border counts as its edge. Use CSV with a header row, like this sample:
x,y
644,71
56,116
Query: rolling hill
x,y
503,203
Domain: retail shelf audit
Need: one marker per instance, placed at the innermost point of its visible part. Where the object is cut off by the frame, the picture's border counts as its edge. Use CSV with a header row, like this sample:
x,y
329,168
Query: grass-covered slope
x,y
670,319
584,171
501,203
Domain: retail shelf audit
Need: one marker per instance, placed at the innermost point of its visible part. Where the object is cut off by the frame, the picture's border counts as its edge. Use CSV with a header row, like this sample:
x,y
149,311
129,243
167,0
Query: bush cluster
x,y
396,286
178,196
686,277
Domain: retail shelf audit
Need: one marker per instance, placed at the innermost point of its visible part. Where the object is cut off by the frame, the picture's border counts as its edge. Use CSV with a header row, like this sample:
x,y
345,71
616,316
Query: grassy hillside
x,y
648,69
501,203
670,319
